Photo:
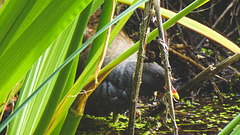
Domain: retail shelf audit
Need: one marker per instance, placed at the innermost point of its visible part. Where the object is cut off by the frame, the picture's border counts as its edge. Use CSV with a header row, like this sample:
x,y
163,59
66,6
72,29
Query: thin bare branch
x,y
139,67
167,67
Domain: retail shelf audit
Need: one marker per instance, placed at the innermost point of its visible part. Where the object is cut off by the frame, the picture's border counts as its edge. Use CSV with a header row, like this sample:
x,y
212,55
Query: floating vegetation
x,y
205,115
213,112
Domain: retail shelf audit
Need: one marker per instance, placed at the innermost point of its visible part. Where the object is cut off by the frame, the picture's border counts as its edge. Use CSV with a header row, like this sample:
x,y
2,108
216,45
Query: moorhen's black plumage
x,y
113,94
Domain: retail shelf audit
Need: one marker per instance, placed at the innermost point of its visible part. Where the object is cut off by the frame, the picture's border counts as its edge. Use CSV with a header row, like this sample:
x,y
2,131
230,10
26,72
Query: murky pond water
x,y
206,114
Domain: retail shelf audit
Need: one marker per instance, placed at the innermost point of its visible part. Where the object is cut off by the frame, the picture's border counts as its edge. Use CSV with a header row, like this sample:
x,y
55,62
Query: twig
x,y
198,65
139,67
208,73
234,30
185,58
164,53
234,70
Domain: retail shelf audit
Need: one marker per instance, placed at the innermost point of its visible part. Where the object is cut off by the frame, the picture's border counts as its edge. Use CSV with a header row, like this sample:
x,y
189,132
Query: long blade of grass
x,y
27,120
20,54
24,19
230,127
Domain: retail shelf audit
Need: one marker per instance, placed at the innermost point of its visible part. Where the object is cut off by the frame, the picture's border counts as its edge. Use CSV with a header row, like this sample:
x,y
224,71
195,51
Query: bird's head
x,y
153,79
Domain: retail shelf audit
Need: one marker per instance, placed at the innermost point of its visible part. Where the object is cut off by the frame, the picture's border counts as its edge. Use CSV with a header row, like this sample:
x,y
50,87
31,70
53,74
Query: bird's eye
x,y
157,77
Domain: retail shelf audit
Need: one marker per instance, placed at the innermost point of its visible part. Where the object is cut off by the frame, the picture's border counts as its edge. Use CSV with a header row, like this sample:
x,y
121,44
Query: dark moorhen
x,y
113,94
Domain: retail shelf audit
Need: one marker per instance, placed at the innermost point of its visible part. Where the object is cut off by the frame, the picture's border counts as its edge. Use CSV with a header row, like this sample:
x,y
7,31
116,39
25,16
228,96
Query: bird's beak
x,y
175,94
